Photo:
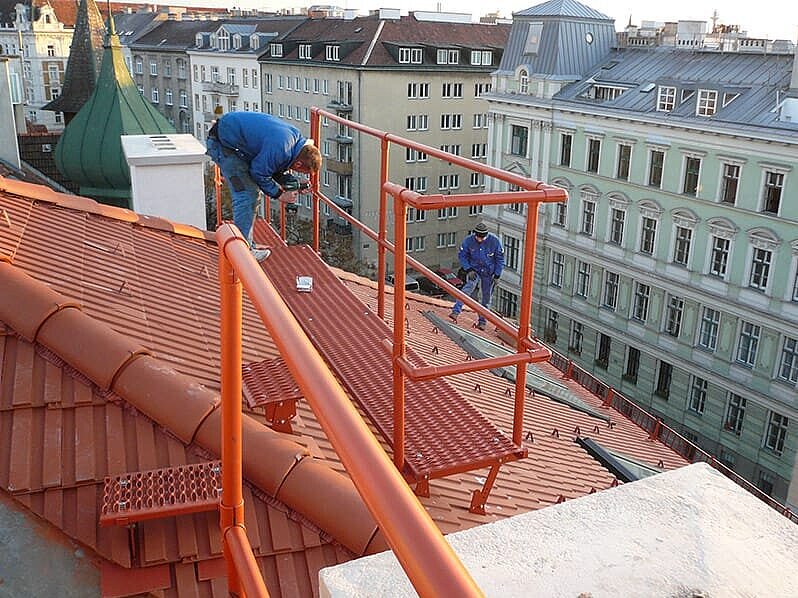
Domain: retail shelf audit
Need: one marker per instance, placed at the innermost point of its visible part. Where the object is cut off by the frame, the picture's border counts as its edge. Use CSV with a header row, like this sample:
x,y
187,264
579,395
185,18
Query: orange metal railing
x,y
426,557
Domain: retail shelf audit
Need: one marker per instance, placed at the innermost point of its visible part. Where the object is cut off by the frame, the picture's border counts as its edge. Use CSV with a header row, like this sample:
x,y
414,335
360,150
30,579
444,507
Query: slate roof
x,y
109,364
562,8
756,80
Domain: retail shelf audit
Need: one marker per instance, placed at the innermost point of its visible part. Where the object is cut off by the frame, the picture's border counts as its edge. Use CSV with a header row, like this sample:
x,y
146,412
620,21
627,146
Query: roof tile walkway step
x,y
444,433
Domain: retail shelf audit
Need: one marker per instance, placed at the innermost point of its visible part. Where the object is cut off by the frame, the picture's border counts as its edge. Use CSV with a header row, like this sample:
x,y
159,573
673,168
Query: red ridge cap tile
x,y
187,230
26,303
330,501
156,223
257,441
89,346
32,191
174,400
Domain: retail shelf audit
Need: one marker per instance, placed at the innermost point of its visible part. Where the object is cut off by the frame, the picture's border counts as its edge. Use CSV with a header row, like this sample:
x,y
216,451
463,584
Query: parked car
x,y
411,284
449,276
429,288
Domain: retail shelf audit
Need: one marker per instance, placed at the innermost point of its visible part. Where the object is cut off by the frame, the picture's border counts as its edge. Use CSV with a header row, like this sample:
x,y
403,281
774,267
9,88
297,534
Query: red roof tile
x,y
70,417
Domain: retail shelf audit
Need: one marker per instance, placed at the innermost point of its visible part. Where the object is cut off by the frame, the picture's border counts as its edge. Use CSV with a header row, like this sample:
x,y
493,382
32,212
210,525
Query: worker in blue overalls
x,y
482,257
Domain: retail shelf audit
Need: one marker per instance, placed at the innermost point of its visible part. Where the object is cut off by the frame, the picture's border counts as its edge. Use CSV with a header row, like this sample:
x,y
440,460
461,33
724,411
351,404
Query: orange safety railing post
x,y
283,227
231,509
399,265
217,185
382,231
315,135
249,575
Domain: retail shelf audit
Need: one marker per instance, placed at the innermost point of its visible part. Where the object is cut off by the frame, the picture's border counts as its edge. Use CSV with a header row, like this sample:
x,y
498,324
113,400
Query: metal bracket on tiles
x,y
6,219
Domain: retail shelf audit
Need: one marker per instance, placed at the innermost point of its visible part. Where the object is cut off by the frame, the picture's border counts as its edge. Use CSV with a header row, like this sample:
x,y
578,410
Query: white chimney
x,y
166,175
9,149
794,79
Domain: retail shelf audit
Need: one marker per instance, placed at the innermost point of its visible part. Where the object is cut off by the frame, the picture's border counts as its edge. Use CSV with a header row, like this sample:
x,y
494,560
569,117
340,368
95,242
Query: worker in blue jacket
x,y
255,151
482,257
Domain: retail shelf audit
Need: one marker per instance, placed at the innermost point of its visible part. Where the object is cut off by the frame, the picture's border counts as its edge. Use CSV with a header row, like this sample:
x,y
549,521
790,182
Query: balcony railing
x,y
226,89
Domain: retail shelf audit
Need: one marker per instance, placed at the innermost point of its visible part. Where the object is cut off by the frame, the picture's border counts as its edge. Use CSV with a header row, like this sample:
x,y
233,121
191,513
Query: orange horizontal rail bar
x,y
508,177
429,561
438,201
246,566
436,371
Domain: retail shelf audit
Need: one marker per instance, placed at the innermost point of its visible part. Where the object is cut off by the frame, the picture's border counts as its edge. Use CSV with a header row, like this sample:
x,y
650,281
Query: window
x,y
641,301
245,77
512,248
719,257
276,50
477,180
139,65
588,216
673,315
448,56
169,97
707,102
664,374
476,210
518,140
776,432
255,81
692,167
766,482
507,303
610,297
181,68
774,185
481,57
153,68
452,90
748,343
656,163
648,235
183,98
560,214
479,150
729,182
735,414
523,82
51,51
632,365
231,76
708,332
617,220
698,395
681,247
557,269
417,91
550,331
593,153
154,95
566,141
451,121
215,74
666,98
624,159
575,338
480,121
604,348
481,89
582,286
788,369
305,51
760,268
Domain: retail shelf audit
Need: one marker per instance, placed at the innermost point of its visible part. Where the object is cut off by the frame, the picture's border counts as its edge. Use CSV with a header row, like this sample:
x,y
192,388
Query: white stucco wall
x,y
678,533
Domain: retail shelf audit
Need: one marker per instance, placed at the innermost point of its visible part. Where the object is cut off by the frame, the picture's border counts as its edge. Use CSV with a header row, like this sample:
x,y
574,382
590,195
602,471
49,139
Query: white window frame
x,y
666,98
332,52
707,104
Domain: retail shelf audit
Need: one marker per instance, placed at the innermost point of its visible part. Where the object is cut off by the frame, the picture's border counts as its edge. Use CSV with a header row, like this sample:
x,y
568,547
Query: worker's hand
x,y
471,275
496,276
288,197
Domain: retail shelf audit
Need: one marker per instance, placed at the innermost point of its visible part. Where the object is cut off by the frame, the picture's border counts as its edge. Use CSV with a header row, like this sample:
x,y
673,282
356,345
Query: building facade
x,y
672,271
431,69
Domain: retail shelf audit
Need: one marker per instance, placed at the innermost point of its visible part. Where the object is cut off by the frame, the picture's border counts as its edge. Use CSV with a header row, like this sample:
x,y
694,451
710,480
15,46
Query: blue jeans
x,y
243,190
486,286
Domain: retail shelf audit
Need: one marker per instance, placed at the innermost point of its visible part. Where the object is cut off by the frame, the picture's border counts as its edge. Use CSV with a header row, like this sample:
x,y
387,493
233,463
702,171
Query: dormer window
x,y
605,93
666,98
332,53
707,102
410,55
276,50
533,38
728,98
481,58
687,94
237,42
223,40
198,40
523,82
305,52
254,42
448,56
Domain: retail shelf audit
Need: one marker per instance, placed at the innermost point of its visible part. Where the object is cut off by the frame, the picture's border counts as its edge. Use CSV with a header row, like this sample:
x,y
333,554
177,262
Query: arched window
x,y
523,81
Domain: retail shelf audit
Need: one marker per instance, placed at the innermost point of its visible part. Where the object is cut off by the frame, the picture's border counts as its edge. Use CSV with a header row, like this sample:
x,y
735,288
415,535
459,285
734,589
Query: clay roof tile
x,y
25,304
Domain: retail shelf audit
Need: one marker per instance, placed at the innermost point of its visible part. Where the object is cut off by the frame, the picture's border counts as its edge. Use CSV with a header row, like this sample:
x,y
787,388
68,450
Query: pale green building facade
x,y
671,273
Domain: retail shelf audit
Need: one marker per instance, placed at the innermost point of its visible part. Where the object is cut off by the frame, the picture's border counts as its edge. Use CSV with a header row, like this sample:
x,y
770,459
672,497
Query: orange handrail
x,y
428,560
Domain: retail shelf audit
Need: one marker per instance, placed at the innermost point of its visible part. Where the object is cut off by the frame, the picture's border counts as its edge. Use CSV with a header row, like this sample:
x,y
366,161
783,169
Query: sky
x,y
775,19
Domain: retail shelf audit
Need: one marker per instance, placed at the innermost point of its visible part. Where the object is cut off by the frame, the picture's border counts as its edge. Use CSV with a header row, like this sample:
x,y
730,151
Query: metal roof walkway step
x,y
444,433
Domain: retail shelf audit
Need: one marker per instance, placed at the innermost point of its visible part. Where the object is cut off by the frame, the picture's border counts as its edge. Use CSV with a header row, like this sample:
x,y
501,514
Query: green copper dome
x,y
90,149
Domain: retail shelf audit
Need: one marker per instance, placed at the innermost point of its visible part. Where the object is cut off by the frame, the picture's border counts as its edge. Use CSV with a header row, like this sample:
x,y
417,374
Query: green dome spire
x,y
90,149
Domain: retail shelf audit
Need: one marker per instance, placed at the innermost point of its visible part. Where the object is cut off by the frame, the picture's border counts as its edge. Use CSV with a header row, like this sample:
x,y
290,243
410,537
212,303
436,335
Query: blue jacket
x,y
269,144
485,258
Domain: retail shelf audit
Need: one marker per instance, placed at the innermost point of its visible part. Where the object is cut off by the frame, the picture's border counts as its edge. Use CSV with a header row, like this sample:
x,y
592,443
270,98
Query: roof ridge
x,y
184,407
45,194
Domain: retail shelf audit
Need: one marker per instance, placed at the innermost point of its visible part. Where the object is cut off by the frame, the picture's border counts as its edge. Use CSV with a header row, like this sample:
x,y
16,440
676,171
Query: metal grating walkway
x,y
444,433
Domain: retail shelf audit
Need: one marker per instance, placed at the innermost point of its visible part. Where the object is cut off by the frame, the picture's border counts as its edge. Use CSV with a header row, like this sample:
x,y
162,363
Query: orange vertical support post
x,y
399,264
525,317
217,184
231,509
315,135
383,228
283,225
